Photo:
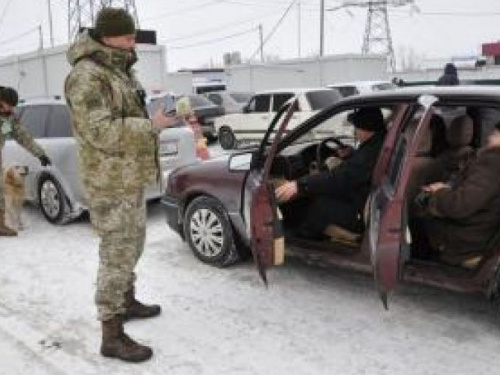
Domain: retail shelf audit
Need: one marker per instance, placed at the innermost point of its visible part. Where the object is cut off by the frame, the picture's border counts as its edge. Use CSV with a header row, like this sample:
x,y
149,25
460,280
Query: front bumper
x,y
173,211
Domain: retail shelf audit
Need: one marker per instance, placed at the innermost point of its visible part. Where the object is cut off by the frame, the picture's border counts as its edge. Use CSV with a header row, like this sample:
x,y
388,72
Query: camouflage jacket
x,y
12,128
117,143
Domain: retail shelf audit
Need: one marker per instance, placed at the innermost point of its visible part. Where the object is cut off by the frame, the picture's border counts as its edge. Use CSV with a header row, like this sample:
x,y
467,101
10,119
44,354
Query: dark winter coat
x,y
450,76
468,215
351,181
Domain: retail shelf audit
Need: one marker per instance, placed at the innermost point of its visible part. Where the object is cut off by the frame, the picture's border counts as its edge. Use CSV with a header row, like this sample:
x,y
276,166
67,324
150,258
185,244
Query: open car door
x,y
267,241
387,221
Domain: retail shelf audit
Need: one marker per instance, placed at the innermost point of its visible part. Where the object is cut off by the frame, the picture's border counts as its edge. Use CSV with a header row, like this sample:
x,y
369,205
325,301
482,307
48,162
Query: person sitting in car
x,y
338,196
464,213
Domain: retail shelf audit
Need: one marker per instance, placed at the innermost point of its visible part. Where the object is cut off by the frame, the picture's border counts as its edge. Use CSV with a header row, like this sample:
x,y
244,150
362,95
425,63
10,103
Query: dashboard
x,y
294,162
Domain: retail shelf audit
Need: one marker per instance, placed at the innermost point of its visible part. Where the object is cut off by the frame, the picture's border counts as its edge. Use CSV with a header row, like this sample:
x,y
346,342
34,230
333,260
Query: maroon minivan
x,y
226,206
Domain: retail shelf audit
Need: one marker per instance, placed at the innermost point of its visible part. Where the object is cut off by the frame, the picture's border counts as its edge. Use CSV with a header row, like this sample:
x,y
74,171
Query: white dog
x,y
15,195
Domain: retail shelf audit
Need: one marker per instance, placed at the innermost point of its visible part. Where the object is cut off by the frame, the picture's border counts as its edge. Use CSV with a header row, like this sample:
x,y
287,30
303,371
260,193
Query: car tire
x,y
227,139
53,201
209,233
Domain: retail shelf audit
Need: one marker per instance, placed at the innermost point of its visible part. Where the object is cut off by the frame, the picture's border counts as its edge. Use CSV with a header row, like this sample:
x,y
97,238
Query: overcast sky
x,y
197,32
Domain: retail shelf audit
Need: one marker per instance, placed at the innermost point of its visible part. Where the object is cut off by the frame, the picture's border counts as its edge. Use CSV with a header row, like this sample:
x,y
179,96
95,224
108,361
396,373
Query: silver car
x,y
58,189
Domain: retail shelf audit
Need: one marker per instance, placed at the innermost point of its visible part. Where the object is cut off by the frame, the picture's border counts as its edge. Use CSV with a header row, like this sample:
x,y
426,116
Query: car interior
x,y
451,138
315,152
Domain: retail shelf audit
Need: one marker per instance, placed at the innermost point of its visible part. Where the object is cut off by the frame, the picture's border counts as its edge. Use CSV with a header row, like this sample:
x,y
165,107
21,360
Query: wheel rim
x,y
50,199
206,233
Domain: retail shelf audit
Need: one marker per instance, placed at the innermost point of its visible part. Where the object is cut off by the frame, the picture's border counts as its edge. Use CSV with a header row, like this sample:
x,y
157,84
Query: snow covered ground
x,y
224,321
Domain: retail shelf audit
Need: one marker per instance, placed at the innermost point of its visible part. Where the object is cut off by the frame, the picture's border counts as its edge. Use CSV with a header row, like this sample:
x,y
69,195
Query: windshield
x,y
322,99
338,126
241,97
200,101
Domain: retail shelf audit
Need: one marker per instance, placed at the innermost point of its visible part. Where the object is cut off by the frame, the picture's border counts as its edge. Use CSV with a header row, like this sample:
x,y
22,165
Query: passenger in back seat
x,y
464,214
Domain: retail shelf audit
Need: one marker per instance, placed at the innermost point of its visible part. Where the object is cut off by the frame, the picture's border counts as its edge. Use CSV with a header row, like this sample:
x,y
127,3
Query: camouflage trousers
x,y
120,222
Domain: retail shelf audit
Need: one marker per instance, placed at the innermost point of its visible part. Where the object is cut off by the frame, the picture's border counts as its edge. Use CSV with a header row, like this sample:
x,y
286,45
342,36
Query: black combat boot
x,y
136,310
5,231
116,343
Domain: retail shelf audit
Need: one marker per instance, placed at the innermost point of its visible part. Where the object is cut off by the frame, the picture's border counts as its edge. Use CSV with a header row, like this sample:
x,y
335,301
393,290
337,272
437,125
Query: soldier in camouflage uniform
x,y
10,127
118,147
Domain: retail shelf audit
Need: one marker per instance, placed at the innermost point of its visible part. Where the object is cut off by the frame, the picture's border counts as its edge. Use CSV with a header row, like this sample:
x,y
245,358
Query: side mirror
x,y
246,109
241,162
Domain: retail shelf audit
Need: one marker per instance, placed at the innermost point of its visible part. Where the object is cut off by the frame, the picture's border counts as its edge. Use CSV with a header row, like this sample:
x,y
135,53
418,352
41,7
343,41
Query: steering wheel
x,y
330,143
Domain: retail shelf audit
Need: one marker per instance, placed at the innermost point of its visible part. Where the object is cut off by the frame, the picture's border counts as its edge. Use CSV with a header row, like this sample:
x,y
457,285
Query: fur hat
x,y
114,22
368,118
9,95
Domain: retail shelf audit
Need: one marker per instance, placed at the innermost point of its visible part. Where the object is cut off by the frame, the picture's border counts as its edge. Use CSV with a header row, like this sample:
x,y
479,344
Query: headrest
x,y
424,146
460,132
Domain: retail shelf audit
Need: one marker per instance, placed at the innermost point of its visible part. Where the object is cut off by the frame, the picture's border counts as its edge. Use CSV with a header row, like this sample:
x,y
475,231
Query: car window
x,y
346,91
199,101
34,118
241,97
334,126
215,98
322,99
395,165
260,103
280,99
59,122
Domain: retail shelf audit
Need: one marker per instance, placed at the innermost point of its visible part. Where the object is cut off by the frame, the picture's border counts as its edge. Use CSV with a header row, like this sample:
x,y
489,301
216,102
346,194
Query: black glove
x,y
422,200
45,161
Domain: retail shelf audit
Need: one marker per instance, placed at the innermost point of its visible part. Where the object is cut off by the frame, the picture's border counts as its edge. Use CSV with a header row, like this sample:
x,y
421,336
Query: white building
x,y
306,72
42,73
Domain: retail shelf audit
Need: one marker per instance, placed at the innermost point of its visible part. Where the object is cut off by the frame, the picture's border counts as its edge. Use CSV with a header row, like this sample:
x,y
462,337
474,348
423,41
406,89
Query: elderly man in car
x,y
338,196
464,213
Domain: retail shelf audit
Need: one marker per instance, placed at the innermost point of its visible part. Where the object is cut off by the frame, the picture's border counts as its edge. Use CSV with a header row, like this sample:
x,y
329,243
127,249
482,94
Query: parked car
x,y
258,113
362,87
232,101
221,221
205,110
58,189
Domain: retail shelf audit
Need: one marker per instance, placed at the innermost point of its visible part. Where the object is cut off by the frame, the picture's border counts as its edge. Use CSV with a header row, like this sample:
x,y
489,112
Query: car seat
x,y
459,136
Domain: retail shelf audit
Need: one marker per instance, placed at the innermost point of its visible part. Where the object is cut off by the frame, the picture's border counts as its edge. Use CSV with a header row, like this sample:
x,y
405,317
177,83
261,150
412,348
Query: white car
x,y
361,87
58,189
254,122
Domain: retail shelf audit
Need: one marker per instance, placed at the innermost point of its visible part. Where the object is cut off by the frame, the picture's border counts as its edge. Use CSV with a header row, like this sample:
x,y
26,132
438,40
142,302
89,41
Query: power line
x,y
183,10
460,14
214,29
4,12
16,37
212,41
274,29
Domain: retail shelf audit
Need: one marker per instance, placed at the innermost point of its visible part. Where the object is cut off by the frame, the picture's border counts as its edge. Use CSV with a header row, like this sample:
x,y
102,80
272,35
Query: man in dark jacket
x,y
465,212
450,76
338,196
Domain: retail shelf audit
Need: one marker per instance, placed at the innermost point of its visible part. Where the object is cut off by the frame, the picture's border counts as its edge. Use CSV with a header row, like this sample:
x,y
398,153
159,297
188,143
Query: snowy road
x,y
310,321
